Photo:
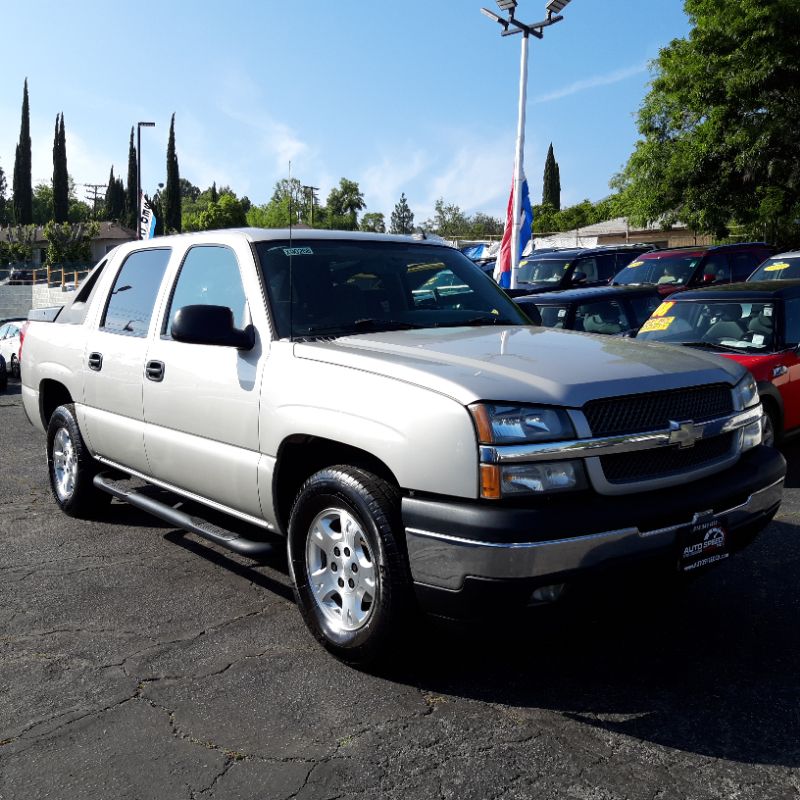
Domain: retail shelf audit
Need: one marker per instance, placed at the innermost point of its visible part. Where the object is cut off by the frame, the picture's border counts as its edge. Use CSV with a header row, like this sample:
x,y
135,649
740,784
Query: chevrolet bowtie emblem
x,y
684,434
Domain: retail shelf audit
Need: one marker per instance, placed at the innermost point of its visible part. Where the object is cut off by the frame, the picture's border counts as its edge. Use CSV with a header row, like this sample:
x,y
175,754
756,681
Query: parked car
x,y
681,268
755,324
611,310
9,345
548,271
20,275
416,449
785,266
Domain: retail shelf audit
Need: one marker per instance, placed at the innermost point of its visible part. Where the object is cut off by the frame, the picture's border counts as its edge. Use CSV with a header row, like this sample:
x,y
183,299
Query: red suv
x,y
756,324
689,267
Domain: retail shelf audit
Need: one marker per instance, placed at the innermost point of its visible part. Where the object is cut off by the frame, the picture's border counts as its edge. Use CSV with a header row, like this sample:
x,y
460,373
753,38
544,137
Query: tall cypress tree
x,y
23,186
551,185
60,175
171,199
108,205
131,200
2,197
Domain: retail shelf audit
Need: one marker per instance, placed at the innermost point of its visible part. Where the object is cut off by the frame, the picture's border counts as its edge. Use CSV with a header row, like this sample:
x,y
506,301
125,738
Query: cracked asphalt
x,y
138,662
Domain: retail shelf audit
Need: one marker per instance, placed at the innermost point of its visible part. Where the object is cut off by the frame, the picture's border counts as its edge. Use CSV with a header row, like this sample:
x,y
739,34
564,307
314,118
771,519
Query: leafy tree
x,y
23,185
227,212
172,193
448,221
188,190
482,225
68,243
402,219
79,211
717,146
344,202
131,200
42,204
551,187
3,201
60,174
374,222
17,244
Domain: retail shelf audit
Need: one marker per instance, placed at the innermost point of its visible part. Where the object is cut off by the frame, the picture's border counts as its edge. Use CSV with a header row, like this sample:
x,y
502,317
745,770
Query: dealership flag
x,y
502,269
147,220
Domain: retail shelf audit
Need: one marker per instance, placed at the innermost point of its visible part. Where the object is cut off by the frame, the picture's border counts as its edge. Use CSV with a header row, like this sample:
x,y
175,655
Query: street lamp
x,y
139,126
510,26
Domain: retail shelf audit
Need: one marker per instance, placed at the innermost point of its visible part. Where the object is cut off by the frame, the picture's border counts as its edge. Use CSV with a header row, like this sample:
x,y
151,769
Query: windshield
x,y
778,268
338,287
673,269
724,326
542,270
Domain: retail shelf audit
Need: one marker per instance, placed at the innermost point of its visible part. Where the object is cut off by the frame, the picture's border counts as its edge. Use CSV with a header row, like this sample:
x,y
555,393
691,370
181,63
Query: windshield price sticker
x,y
635,264
758,339
657,324
777,266
562,312
663,308
298,251
767,311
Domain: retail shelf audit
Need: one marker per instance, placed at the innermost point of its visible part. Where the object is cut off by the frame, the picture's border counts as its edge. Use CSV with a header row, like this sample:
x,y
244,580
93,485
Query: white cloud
x,y
384,181
591,83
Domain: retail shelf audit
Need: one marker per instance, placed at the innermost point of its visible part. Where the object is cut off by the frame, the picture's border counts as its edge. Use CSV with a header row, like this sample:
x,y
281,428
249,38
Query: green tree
x,y
172,193
402,219
448,221
42,204
715,146
188,190
551,184
373,222
114,204
60,174
17,244
482,225
3,201
68,243
343,204
23,184
131,200
227,212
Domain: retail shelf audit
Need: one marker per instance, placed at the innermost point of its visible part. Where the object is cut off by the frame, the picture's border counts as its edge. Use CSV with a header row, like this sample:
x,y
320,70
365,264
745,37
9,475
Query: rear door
x,y
111,414
201,401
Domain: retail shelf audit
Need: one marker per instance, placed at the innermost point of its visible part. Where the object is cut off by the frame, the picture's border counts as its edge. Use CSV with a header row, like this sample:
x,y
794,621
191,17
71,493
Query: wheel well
x,y
300,456
52,394
773,404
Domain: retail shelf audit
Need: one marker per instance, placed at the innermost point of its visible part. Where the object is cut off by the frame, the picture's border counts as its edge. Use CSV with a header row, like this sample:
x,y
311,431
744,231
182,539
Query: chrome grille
x,y
650,412
663,461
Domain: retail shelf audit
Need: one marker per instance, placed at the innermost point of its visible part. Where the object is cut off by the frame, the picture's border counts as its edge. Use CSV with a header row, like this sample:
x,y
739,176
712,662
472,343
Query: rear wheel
x,y
349,568
3,375
15,371
71,468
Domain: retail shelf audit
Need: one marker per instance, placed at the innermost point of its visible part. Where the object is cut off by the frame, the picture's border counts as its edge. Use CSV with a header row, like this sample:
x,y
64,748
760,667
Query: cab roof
x,y
761,290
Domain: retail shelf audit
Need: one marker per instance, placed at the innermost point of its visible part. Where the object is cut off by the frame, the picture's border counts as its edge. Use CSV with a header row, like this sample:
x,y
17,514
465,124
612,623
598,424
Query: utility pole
x,y
95,192
311,198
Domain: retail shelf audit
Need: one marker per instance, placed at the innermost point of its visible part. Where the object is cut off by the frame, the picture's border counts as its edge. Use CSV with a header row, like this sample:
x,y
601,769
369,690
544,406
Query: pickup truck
x,y
418,443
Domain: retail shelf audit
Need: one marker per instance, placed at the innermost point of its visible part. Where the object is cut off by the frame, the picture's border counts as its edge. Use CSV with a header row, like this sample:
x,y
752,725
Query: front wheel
x,y
348,564
71,467
770,435
15,371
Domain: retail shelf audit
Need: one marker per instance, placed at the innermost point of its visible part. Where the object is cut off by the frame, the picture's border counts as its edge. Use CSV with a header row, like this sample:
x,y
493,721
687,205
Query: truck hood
x,y
522,364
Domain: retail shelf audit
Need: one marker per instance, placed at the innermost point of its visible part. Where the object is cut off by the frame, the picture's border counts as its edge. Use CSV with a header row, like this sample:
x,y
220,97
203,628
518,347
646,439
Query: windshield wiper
x,y
489,319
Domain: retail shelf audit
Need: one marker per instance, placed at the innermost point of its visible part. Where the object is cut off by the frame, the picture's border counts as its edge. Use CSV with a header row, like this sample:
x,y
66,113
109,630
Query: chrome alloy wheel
x,y
341,569
65,464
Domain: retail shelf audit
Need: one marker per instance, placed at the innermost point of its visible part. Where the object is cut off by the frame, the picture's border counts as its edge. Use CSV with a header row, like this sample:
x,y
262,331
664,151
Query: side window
x,y
606,267
791,309
717,265
604,316
643,307
209,277
588,266
130,304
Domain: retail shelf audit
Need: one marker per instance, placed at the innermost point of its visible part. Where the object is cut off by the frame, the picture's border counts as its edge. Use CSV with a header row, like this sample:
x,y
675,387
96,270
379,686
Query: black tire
x,y
3,375
772,435
15,371
376,534
70,467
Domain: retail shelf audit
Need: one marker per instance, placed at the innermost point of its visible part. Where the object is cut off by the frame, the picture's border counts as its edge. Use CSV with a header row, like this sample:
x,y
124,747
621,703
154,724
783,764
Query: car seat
x,y
604,320
762,325
726,325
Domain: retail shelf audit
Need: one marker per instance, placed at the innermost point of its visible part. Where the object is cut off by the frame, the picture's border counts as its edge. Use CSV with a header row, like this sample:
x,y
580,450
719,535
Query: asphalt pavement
x,y
139,662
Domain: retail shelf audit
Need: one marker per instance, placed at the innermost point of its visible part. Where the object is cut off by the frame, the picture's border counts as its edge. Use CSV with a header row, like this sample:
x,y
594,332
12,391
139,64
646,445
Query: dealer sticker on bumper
x,y
703,543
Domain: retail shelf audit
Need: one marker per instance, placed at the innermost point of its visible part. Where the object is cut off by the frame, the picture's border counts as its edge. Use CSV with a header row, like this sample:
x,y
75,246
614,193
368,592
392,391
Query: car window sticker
x,y
767,311
298,251
562,312
635,264
758,339
657,324
663,308
777,266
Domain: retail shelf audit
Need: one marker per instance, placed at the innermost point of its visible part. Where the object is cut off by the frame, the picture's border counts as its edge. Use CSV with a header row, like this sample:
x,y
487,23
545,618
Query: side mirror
x,y
709,277
211,325
578,277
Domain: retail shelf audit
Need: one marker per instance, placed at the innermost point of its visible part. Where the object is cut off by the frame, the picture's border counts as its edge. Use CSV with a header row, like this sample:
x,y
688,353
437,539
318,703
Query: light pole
x,y
510,26
139,126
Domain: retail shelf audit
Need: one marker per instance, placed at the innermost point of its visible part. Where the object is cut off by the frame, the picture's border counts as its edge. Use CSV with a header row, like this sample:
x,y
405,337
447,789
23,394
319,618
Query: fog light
x,y
555,476
547,594
751,435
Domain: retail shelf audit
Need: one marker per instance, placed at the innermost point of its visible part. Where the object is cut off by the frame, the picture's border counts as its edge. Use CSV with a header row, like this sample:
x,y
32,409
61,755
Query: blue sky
x,y
401,95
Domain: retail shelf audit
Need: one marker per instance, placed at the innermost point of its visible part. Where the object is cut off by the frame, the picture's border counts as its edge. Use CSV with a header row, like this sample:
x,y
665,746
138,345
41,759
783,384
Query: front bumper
x,y
451,543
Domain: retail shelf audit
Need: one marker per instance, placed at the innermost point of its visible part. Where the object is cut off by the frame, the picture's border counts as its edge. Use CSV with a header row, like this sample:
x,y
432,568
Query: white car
x,y
9,345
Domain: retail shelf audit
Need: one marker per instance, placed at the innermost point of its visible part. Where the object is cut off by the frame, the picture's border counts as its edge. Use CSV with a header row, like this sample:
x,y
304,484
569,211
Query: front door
x,y
201,401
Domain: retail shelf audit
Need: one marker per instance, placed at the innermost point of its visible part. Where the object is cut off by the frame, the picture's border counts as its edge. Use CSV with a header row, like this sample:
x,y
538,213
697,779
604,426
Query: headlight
x,y
515,480
745,393
508,424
